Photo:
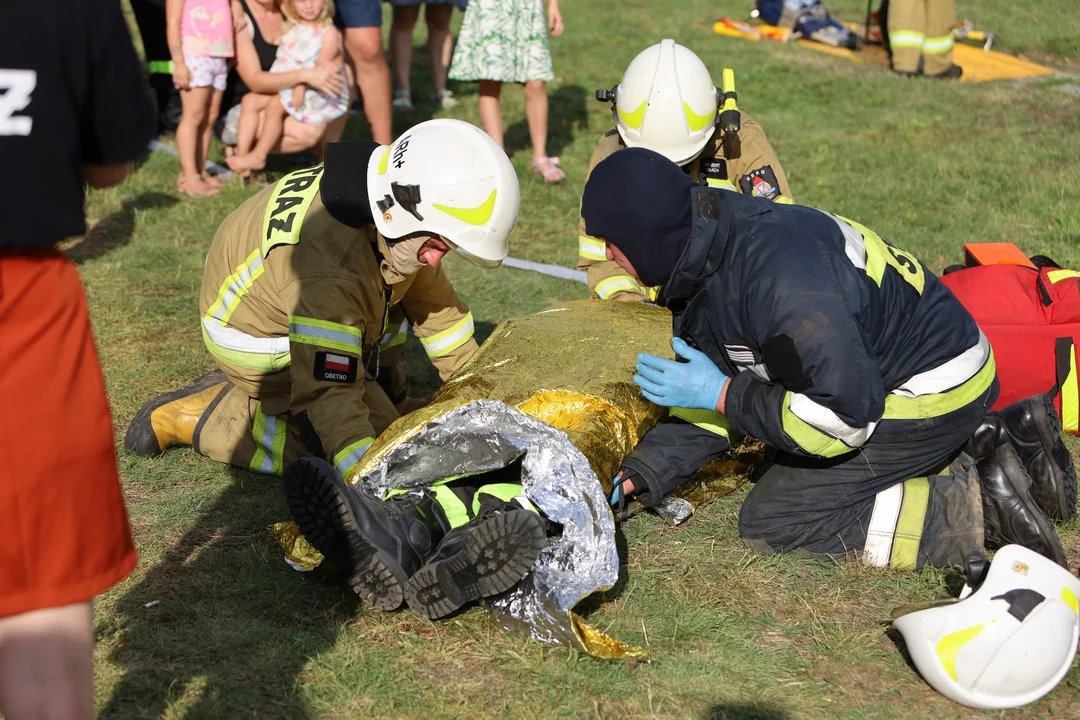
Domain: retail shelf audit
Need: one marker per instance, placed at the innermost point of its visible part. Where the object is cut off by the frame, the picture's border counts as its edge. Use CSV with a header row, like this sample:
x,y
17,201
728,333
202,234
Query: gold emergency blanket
x,y
553,392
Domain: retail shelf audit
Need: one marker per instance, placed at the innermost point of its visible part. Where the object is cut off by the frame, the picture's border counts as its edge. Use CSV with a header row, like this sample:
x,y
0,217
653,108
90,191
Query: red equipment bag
x,y
1032,319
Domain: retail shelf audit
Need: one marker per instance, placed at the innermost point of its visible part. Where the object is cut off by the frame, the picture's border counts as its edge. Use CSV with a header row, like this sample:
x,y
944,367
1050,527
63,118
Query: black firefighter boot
x,y
171,419
1010,514
381,543
486,556
1032,427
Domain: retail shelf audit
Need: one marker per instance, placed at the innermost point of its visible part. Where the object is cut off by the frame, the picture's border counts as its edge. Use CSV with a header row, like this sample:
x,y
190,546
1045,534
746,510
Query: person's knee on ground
x,y
46,664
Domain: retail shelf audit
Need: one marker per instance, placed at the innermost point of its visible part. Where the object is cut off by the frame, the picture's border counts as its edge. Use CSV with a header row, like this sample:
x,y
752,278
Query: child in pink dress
x,y
309,39
200,35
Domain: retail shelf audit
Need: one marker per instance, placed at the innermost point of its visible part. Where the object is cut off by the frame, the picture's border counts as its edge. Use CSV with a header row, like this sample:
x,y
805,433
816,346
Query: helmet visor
x,y
471,258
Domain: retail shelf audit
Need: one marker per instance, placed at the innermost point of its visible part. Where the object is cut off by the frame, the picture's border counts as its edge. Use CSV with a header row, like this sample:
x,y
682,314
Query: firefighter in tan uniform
x,y
920,36
667,102
301,282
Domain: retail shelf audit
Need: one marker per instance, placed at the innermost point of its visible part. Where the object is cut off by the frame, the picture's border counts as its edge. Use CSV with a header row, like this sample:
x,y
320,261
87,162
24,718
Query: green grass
x,y
234,633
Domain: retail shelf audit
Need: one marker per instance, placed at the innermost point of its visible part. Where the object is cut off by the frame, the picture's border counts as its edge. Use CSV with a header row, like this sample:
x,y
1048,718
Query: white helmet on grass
x,y
447,178
666,102
1008,643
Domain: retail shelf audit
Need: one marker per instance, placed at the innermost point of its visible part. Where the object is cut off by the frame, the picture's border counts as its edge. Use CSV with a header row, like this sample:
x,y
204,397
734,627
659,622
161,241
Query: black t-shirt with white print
x,y
72,92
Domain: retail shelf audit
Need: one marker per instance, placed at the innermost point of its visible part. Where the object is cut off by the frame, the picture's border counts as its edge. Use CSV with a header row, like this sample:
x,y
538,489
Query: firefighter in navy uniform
x,y
297,303
841,351
667,102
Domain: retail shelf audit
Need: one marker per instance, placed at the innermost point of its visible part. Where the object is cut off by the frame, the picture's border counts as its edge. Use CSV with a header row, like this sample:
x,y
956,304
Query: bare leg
x,y
401,32
208,135
363,46
439,43
536,114
196,105
247,127
491,110
46,664
269,137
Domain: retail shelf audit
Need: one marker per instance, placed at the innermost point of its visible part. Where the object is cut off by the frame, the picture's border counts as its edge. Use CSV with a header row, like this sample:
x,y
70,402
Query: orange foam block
x,y
1001,253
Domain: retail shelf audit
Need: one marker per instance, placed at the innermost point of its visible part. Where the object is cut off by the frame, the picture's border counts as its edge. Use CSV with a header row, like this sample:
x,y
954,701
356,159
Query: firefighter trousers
x,y
234,430
921,29
904,504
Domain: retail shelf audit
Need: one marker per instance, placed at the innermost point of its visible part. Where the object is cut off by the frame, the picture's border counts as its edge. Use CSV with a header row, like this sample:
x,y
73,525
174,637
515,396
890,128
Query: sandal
x,y
444,99
548,168
402,100
195,186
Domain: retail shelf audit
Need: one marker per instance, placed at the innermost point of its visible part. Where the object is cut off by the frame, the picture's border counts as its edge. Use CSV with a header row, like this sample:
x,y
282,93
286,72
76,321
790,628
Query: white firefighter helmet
x,y
447,178
1008,643
666,102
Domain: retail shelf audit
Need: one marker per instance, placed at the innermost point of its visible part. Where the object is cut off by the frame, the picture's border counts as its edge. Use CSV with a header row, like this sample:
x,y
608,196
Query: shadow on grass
x,y
566,116
752,711
229,626
116,230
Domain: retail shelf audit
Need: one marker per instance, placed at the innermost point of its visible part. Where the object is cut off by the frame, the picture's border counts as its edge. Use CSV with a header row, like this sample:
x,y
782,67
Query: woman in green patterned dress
x,y
504,41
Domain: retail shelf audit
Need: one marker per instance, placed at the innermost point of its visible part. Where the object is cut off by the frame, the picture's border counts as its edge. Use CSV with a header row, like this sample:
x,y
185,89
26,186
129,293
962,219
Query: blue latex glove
x,y
693,384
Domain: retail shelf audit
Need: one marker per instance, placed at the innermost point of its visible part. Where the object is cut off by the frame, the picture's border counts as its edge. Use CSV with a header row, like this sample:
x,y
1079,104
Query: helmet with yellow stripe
x,y
448,178
667,102
1004,645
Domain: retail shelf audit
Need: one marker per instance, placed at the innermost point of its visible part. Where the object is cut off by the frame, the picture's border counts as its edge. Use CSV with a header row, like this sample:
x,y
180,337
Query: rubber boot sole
x,y
1061,505
492,559
140,437
317,498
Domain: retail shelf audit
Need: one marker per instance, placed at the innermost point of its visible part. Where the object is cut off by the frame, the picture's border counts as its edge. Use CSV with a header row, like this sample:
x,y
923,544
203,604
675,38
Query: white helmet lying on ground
x,y
1008,643
667,102
448,178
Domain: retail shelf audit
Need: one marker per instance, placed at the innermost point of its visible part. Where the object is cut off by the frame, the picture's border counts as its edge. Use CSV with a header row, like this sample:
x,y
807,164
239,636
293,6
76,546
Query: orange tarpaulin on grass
x,y
978,65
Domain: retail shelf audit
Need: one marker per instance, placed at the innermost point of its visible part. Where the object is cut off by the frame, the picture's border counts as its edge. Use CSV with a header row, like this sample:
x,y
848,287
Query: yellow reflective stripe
x,y
909,526
906,38
1070,599
728,85
950,645
384,164
473,216
898,407
445,342
160,67
694,121
456,512
235,287
634,118
507,492
880,254
395,337
608,287
589,248
288,204
263,362
723,184
783,200
1055,276
808,437
269,434
351,454
1070,397
709,420
322,333
937,45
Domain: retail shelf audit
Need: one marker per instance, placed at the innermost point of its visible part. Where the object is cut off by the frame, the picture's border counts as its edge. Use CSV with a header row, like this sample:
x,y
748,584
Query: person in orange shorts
x,y
80,115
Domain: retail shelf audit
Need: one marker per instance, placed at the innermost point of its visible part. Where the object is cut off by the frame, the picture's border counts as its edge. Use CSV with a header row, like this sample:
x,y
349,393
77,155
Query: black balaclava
x,y
639,201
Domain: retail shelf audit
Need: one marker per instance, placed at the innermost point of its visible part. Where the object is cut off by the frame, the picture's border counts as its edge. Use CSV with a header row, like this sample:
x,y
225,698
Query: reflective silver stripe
x,y
305,332
351,455
825,420
445,342
949,374
854,244
591,248
393,334
237,285
906,38
937,45
879,534
232,339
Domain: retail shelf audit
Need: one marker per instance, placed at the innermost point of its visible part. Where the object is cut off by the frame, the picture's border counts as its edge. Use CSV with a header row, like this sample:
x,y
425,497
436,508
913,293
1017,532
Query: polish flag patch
x,y
332,367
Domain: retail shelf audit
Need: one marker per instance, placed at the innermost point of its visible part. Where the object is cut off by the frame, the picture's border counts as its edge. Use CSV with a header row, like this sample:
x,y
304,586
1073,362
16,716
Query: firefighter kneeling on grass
x,y
810,332
667,102
298,288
